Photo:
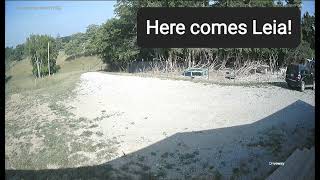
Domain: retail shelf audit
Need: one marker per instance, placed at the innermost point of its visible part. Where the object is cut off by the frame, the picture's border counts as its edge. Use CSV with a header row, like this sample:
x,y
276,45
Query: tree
x,y
115,41
118,36
75,47
299,54
114,45
243,3
59,42
91,42
19,52
37,48
9,53
308,29
15,54
293,3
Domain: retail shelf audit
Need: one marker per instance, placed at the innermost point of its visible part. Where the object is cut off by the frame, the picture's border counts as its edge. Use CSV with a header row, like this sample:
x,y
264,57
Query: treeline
x,y
81,44
14,54
115,41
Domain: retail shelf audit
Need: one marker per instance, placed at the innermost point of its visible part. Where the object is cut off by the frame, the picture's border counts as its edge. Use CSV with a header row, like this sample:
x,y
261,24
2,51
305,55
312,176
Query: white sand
x,y
180,127
146,110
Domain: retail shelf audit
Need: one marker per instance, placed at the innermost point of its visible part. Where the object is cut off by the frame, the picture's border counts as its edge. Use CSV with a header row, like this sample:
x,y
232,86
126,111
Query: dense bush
x,y
37,49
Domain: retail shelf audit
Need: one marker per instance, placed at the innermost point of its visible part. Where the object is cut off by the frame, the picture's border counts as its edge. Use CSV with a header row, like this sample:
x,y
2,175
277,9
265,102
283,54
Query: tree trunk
x,y
189,59
193,59
38,68
48,59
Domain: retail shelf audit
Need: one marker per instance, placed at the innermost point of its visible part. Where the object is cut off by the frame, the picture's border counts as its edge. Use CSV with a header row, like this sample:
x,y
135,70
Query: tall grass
x,y
22,80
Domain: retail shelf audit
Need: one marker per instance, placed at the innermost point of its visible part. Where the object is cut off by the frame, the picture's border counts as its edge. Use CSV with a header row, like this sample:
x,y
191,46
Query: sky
x,y
307,5
23,18
55,17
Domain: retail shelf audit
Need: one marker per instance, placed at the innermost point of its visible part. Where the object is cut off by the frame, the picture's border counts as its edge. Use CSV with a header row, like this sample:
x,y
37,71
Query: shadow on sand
x,y
226,153
284,85
279,84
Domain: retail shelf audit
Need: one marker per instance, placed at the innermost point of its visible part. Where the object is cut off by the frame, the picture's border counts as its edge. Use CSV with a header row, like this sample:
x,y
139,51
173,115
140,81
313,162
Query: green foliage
x,y
299,54
14,54
91,42
59,42
19,52
308,29
9,52
293,3
115,41
115,45
243,3
37,49
75,47
82,44
117,37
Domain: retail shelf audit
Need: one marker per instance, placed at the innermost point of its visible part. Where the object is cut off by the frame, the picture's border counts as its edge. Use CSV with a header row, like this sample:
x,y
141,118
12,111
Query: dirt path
x,y
182,129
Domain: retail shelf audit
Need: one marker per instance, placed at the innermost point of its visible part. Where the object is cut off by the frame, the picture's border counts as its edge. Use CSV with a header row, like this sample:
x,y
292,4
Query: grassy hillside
x,y
20,79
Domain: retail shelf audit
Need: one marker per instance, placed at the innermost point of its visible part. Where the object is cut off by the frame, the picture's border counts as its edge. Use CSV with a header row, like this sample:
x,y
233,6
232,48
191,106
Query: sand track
x,y
166,128
149,109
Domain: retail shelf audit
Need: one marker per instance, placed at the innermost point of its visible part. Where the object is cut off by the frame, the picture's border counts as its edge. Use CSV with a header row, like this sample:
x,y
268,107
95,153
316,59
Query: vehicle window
x,y
304,71
196,73
292,69
187,73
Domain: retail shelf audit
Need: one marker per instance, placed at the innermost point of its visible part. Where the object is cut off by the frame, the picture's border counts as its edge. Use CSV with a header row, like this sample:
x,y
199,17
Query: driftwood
x,y
178,65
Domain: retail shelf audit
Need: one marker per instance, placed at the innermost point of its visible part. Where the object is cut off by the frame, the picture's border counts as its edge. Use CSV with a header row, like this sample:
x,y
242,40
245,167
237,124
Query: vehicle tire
x,y
302,87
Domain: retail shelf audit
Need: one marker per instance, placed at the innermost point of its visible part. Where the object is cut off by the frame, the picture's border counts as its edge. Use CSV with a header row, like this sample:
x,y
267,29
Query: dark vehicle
x,y
300,76
195,72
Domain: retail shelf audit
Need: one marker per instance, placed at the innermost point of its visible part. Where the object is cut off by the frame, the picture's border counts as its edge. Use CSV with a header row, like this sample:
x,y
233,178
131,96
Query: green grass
x,y
141,158
239,172
188,158
169,166
271,140
56,134
22,79
217,175
60,110
87,133
165,155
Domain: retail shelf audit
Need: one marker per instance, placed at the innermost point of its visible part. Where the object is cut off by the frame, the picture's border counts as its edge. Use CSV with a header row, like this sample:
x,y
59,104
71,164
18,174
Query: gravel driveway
x,y
181,129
